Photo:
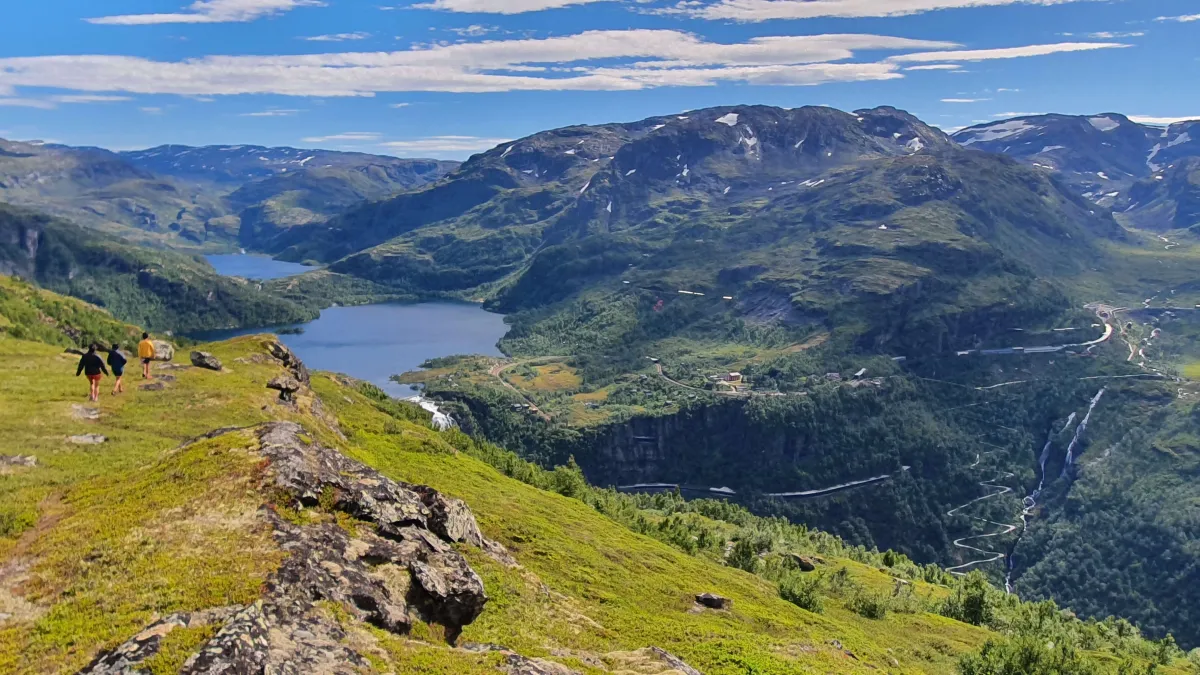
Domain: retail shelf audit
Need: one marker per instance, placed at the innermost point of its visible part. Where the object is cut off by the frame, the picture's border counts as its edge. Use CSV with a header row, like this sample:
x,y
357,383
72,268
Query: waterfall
x,y
441,421
1079,433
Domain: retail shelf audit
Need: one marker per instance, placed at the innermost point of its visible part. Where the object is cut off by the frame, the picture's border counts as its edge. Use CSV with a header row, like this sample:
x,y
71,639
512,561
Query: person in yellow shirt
x,y
146,354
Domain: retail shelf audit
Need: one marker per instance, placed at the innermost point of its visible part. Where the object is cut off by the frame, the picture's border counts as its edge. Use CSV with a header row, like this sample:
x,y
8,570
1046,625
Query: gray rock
x,y
286,385
802,563
152,386
127,658
673,662
18,460
163,351
293,363
82,412
713,601
515,664
87,439
205,360
386,574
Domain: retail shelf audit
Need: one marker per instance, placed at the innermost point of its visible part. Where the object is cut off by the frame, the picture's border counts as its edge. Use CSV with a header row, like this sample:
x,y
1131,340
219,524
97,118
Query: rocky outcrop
x,y
205,360
713,601
398,567
87,439
286,385
290,361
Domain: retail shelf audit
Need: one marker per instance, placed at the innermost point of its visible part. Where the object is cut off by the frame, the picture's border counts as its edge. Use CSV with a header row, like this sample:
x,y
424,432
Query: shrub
x,y
802,591
870,605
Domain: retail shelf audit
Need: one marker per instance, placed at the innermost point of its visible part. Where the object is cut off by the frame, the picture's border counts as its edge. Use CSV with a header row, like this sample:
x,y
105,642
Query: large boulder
x,y
286,385
163,351
713,601
205,360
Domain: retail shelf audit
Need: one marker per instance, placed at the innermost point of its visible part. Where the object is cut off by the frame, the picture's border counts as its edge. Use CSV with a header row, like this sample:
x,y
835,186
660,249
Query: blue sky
x,y
446,78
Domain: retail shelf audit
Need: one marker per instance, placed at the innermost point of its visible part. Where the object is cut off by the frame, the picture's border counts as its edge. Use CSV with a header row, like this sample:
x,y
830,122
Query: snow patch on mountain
x,y
728,119
1103,123
996,132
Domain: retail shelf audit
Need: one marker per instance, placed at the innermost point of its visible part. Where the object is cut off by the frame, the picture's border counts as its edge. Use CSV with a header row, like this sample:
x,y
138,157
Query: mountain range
x,y
185,196
1146,174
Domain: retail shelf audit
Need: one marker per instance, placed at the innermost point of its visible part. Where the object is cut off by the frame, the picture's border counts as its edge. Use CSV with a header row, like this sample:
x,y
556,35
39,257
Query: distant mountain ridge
x,y
1137,170
245,163
186,196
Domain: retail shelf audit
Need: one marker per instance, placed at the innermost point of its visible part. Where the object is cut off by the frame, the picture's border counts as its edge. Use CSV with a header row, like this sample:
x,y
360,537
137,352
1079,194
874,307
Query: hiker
x,y
117,361
93,366
146,354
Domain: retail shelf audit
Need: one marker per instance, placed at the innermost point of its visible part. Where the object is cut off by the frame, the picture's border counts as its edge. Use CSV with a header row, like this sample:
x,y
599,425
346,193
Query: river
x,y
373,342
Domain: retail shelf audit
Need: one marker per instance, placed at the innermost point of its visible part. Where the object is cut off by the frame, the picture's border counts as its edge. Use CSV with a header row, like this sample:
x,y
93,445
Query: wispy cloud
x,y
337,37
17,102
965,100
474,30
152,110
399,105
765,10
1109,35
1007,115
936,66
271,113
346,137
444,145
88,98
616,60
211,11
1007,53
1162,121
1187,18
500,6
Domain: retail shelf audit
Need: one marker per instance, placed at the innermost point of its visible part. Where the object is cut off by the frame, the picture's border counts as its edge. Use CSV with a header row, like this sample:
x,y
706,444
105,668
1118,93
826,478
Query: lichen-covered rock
x,y
163,351
127,657
205,360
398,568
87,439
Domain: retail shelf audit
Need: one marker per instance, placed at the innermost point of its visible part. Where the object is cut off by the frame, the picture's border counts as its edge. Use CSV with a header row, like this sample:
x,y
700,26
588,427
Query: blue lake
x,y
254,266
373,342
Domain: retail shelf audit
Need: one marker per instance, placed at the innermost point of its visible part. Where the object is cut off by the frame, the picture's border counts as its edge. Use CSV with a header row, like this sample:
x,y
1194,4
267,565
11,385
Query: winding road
x,y
726,492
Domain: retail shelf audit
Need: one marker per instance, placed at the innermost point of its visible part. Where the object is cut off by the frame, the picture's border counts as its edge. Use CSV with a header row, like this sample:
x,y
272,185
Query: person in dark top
x,y
92,365
117,361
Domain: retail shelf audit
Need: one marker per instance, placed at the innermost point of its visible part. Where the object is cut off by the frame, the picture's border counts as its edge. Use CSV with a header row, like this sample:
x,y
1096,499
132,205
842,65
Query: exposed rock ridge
x,y
396,566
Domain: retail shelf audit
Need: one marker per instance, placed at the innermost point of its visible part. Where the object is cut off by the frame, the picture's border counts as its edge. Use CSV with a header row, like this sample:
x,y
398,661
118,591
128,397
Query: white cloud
x,y
638,59
152,110
1006,53
936,66
474,30
16,102
1007,115
765,10
1181,19
211,11
1162,121
270,113
965,100
1109,35
346,136
88,98
500,6
1003,90
399,105
444,145
338,37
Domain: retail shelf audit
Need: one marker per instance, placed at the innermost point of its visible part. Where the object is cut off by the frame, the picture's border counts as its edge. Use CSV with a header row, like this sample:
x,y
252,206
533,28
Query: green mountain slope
x,y
158,289
207,524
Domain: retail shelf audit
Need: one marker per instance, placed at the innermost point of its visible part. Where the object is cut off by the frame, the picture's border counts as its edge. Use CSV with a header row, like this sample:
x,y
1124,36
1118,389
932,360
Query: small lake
x,y
374,342
254,266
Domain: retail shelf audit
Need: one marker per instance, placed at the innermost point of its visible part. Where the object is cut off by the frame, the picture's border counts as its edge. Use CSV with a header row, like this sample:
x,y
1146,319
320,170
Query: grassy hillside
x,y
174,511
158,289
